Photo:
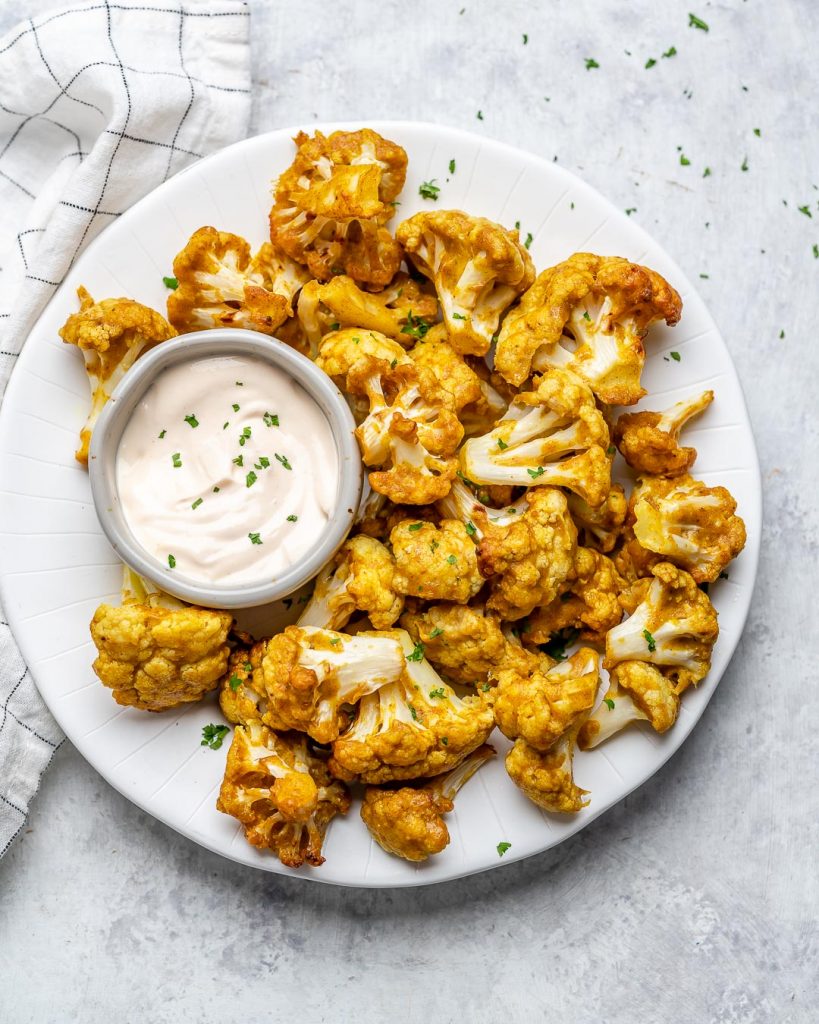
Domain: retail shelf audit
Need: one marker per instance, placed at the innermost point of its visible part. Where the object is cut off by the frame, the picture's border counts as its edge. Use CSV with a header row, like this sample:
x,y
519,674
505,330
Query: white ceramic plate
x,y
57,566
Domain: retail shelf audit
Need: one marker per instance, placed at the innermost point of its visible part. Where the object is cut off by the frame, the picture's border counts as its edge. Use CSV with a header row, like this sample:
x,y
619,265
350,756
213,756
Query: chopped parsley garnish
x,y
675,356
723,576
171,562
439,692
471,529
334,326
428,189
479,115
744,165
263,463
226,424
525,39
459,316
528,241
591,63
192,421
244,436
707,172
413,712
816,252
255,538
162,433
416,326
197,503
503,847
292,519
235,407
609,703
517,225
414,526
452,560
436,632
650,643
695,22
805,210
558,642
451,166
239,460
270,419
216,490
535,473
235,682
445,740
684,160
611,450
335,640
650,62
176,458
170,282
239,384
586,315
630,210
212,736
758,132
417,653
283,460
502,444
250,479
670,52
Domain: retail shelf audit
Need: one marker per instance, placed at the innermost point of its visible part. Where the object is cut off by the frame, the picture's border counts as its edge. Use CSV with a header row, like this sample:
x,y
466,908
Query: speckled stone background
x,y
694,900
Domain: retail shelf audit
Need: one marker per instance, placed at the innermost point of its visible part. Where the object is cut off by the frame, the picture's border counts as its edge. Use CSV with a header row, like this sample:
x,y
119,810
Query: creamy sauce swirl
x,y
227,471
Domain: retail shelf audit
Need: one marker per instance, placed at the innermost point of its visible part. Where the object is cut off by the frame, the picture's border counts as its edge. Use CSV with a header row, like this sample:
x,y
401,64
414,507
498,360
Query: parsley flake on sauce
x,y
171,562
283,460
176,458
270,419
255,538
192,421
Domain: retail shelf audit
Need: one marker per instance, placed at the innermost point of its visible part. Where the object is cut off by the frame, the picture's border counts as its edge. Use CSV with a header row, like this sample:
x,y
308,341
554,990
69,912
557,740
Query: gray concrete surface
x,y
695,899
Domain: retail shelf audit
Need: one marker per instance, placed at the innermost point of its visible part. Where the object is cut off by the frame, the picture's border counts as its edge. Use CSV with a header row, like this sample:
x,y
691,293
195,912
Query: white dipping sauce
x,y
227,470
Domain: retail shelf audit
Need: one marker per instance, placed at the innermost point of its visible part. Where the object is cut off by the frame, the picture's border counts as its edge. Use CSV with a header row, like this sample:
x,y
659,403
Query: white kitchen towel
x,y
99,104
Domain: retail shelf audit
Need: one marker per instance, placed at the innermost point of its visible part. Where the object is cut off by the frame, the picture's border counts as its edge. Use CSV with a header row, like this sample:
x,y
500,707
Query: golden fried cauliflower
x,y
410,729
402,311
589,315
311,677
408,822
589,605
469,646
436,563
111,334
554,434
361,577
637,692
155,658
411,431
528,555
547,778
649,441
690,524
672,625
221,286
600,525
242,695
541,706
284,796
331,205
478,268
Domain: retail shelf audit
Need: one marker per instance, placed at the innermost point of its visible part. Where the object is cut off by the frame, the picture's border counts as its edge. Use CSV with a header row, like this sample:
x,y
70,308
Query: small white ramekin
x,y
116,414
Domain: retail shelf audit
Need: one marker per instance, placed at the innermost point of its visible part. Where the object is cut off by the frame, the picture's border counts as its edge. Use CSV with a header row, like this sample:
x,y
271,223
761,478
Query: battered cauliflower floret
x,y
637,693
548,778
242,695
468,646
649,441
221,286
590,315
436,563
590,605
554,434
478,268
411,432
402,311
360,578
111,334
540,707
600,525
332,202
284,796
674,626
528,556
690,524
342,351
155,658
409,822
312,677
410,729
